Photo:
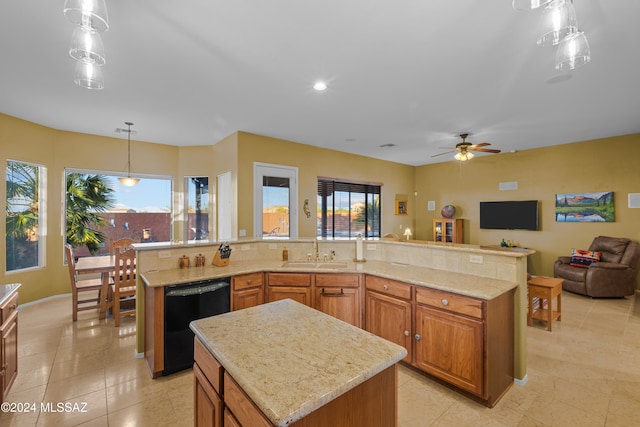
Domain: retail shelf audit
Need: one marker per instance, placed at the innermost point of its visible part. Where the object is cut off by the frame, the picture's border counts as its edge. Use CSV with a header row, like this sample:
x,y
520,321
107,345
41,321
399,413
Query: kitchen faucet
x,y
315,250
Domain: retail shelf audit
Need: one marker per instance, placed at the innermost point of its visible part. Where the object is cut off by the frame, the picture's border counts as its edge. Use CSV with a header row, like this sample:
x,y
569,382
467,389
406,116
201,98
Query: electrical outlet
x,y
164,254
273,246
371,247
476,259
245,247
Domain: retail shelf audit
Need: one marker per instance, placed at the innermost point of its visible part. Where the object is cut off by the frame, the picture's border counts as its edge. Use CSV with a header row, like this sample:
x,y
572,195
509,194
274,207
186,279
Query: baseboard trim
x,y
52,297
521,381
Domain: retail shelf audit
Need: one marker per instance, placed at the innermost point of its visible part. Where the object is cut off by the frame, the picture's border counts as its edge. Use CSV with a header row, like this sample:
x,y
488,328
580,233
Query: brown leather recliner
x,y
613,276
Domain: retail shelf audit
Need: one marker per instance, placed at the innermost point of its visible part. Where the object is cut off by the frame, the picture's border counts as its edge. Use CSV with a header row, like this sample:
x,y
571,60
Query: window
x,y
25,210
99,208
197,208
346,209
275,200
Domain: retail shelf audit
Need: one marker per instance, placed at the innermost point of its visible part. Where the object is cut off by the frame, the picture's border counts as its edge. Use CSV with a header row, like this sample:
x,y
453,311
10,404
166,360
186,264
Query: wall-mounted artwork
x,y
585,207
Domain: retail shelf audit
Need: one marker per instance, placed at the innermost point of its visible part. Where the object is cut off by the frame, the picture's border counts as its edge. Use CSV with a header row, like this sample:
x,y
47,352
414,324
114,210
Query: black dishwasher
x,y
182,304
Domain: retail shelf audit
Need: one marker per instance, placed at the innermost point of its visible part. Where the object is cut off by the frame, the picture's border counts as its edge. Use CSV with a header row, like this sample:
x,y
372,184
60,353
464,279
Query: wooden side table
x,y
544,288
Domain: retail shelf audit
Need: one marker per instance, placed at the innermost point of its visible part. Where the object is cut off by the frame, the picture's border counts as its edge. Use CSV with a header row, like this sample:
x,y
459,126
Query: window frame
x,y
41,220
369,189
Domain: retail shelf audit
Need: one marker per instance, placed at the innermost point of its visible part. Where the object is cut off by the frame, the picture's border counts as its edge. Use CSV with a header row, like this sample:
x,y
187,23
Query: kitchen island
x,y
285,364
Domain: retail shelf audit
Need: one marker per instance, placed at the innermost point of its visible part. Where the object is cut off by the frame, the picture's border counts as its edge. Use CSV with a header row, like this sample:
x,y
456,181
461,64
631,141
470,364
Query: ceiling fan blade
x,y
442,154
482,144
484,150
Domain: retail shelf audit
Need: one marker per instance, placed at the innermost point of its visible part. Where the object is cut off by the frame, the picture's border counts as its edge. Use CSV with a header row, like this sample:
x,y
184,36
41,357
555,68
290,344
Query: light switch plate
x,y
476,259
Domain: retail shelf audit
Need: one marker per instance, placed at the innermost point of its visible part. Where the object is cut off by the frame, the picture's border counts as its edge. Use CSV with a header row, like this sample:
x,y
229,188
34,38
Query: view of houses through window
x,y
346,209
25,215
99,208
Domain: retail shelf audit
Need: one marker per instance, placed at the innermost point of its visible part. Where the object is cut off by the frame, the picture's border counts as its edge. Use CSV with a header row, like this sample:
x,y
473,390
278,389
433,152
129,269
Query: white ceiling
x,y
411,73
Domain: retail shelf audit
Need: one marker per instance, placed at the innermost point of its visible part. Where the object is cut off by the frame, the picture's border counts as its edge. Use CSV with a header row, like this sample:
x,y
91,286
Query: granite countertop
x,y
291,359
464,284
6,291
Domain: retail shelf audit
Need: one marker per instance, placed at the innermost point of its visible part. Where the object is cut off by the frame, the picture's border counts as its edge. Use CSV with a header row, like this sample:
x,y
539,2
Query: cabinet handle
x,y
406,333
418,337
385,287
249,281
332,293
445,302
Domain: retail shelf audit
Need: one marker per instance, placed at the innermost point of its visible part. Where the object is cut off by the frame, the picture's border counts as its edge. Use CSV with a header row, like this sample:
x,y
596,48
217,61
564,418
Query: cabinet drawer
x,y
8,307
289,279
341,280
241,406
208,365
388,287
247,281
450,302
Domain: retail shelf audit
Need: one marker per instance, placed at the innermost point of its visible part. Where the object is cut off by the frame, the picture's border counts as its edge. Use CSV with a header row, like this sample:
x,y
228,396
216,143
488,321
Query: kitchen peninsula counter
x,y
292,360
463,284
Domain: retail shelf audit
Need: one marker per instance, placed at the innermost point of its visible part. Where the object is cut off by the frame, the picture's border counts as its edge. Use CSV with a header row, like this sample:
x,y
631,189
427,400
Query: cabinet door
x,y
438,230
389,318
300,294
247,298
451,347
9,353
230,420
341,303
207,403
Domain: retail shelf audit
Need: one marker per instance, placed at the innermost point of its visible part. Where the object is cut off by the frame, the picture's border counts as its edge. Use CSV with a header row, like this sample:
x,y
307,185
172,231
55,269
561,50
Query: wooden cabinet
x,y
448,230
450,346
247,290
339,295
296,286
207,374
9,344
388,311
466,341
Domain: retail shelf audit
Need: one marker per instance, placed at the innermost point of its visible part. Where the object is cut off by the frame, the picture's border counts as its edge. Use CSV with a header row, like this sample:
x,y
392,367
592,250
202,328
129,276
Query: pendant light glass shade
x,y
87,13
86,46
528,4
463,156
88,75
558,21
128,181
573,52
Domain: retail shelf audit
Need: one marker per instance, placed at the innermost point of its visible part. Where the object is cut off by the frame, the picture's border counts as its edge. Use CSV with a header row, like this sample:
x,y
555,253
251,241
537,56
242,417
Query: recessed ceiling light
x,y
320,86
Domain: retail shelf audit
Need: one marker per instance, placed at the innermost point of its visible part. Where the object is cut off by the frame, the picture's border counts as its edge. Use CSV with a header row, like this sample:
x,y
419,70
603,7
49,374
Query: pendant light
x,y
573,52
528,4
558,21
86,46
128,181
88,75
87,13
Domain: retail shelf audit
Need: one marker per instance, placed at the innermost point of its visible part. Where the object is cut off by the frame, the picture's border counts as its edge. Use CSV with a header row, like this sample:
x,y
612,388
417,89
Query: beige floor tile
x,y
74,411
586,372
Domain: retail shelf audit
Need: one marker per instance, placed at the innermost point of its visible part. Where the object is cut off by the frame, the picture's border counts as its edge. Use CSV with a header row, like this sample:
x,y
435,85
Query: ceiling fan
x,y
464,149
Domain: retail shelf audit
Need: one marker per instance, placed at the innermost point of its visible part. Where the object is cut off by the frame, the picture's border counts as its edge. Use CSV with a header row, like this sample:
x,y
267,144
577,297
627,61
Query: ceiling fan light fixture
x,y
463,156
529,4
573,52
558,21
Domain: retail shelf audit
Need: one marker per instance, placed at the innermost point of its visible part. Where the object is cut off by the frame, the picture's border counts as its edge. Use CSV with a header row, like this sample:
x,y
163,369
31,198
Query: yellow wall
x,y
56,150
312,162
610,164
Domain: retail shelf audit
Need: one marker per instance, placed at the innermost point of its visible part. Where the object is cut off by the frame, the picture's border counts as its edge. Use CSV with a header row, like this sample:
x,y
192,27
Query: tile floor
x,y
584,373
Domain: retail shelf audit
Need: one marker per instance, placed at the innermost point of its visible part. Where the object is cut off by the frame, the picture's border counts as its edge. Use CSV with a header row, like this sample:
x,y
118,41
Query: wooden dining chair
x,y
119,245
82,286
123,291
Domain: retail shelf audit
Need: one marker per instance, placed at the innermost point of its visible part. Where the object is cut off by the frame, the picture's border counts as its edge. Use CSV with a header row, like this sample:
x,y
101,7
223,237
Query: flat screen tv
x,y
510,215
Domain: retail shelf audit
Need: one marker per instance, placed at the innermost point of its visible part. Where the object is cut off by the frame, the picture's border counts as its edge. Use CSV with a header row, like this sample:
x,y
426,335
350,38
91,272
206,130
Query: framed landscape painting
x,y
585,207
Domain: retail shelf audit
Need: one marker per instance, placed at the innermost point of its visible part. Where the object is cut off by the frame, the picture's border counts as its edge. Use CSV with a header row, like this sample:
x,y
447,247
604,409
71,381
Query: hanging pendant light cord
x,y
128,149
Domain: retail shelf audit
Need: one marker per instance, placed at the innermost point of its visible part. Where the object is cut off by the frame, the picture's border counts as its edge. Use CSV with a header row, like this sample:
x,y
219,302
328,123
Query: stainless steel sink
x,y
312,264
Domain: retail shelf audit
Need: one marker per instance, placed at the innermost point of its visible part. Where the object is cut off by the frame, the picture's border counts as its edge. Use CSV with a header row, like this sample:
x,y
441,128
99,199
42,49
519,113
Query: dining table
x,y
105,266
